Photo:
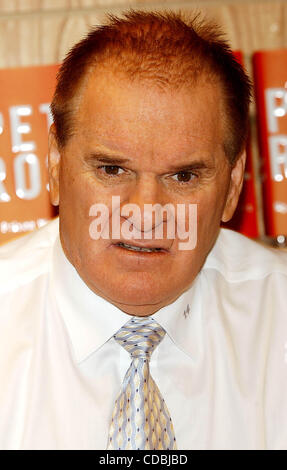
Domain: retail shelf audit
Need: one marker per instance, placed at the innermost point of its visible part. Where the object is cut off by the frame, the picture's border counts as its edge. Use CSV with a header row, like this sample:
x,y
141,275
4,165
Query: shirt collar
x,y
182,320
91,320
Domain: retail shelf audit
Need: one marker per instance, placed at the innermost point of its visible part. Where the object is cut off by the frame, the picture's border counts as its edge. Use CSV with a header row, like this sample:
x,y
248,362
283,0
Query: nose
x,y
145,200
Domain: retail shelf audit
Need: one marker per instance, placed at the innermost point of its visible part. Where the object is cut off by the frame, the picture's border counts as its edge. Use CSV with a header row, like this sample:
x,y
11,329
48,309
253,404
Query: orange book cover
x,y
24,122
270,78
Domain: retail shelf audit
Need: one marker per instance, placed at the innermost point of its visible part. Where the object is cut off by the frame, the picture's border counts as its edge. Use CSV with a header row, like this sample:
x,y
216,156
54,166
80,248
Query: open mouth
x,y
140,249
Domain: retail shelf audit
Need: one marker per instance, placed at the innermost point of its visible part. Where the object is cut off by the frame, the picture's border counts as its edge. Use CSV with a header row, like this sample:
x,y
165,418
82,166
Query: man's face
x,y
146,146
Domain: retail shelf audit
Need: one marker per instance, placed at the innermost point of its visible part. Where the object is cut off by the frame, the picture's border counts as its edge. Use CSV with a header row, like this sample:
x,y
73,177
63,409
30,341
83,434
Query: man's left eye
x,y
183,176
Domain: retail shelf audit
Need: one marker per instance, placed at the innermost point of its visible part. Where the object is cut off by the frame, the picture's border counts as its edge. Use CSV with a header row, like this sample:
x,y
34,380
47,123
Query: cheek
x,y
211,205
78,192
209,212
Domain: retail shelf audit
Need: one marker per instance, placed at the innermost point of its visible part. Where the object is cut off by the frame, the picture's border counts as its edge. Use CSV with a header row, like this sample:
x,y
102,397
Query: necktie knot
x,y
140,336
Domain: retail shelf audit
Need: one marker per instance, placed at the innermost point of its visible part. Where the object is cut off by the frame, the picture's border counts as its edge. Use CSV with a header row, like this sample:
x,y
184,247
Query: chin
x,y
138,295
134,290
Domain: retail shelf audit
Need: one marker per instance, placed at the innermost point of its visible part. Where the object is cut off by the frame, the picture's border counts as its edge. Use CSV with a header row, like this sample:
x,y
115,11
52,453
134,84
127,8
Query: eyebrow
x,y
105,158
195,165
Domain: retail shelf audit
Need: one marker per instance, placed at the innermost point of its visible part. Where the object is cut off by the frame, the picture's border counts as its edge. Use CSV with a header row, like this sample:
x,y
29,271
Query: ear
x,y
53,166
235,186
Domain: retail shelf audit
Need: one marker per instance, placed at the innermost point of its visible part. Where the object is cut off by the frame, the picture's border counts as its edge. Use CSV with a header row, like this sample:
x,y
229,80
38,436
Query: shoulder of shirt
x,y
27,257
239,258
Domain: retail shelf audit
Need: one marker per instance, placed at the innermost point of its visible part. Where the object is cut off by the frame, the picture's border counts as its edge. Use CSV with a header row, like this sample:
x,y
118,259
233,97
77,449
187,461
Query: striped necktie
x,y
140,420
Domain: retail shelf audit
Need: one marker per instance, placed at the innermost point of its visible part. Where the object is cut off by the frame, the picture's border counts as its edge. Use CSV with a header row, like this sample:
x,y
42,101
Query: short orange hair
x,y
169,50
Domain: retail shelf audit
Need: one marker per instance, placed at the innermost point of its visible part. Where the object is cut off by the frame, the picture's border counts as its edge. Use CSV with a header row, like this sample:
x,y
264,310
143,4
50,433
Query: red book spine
x,y
245,218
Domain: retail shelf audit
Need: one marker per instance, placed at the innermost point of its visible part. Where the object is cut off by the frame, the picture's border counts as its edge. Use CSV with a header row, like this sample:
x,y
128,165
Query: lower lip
x,y
139,254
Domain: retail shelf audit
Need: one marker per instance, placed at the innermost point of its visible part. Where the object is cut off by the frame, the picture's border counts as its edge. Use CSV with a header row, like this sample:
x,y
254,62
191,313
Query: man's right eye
x,y
111,170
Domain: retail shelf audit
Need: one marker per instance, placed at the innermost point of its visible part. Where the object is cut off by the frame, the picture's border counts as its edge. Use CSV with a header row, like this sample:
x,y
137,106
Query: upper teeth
x,y
137,248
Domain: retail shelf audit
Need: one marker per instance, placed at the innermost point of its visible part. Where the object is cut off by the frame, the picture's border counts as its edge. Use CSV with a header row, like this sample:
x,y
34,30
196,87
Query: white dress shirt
x,y
221,367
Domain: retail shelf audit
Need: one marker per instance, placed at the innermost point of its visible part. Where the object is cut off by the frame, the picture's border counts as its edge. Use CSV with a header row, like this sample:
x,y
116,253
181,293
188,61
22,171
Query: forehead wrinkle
x,y
123,126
